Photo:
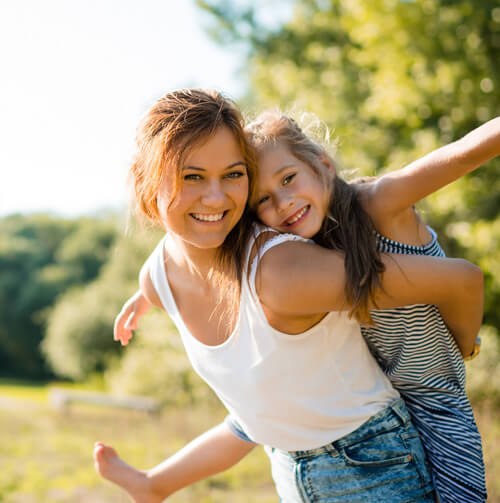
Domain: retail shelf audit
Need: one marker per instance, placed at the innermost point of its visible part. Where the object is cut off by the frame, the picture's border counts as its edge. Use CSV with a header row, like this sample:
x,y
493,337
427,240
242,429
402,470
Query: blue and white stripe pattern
x,y
419,355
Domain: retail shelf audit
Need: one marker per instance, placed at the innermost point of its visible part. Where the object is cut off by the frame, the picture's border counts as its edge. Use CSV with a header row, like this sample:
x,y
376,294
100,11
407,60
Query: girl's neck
x,y
189,259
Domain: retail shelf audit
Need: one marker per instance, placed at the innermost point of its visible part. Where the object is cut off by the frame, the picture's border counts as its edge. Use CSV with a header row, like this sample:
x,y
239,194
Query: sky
x,y
77,75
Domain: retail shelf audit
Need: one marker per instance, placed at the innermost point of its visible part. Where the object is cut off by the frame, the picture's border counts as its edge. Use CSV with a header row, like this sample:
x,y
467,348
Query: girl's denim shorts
x,y
382,461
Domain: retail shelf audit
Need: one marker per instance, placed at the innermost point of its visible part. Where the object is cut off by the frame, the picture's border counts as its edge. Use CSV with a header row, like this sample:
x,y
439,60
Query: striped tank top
x,y
419,355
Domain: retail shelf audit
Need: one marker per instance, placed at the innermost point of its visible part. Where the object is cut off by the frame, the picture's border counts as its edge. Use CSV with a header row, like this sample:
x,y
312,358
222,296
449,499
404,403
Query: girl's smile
x,y
297,218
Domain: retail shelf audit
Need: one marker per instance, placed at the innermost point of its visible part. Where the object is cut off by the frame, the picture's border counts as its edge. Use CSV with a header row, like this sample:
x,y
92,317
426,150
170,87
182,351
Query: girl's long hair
x,y
170,129
347,227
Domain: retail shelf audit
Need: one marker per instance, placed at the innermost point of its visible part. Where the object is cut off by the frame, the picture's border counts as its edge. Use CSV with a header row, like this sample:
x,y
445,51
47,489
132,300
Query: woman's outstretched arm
x,y
297,281
135,308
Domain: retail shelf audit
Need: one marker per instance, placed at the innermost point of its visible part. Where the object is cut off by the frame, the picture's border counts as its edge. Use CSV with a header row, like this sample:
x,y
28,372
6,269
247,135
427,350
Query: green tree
x,y
40,257
79,336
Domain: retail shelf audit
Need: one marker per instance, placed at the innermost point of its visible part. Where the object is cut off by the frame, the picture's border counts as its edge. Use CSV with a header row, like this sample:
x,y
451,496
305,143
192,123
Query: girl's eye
x,y
192,177
262,200
288,178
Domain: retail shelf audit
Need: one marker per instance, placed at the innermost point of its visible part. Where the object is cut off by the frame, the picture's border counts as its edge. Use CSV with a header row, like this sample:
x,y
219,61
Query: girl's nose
x,y
284,201
213,196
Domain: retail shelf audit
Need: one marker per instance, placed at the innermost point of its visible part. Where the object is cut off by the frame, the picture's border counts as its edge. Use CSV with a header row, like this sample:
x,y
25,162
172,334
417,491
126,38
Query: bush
x,y
79,336
483,373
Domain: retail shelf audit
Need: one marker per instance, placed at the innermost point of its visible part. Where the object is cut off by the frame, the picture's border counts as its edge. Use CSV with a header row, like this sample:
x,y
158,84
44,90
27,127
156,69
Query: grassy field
x,y
46,455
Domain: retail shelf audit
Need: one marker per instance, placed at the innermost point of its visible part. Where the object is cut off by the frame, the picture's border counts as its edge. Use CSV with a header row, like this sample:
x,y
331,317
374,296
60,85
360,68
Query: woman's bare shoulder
x,y
147,287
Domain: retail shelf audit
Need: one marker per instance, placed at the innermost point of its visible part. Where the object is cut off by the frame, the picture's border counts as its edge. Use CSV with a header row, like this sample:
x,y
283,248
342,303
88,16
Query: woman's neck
x,y
190,259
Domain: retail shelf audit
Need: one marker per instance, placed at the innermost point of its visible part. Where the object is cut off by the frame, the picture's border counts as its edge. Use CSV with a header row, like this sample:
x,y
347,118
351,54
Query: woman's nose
x,y
214,195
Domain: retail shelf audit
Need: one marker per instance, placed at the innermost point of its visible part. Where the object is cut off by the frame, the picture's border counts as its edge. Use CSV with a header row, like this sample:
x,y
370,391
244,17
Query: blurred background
x,y
393,80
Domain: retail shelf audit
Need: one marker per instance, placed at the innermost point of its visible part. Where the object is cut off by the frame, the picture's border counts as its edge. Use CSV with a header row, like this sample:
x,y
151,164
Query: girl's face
x,y
212,193
290,196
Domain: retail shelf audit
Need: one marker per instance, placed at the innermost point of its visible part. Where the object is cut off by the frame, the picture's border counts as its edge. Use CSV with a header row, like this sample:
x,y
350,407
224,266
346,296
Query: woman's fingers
x,y
120,331
132,321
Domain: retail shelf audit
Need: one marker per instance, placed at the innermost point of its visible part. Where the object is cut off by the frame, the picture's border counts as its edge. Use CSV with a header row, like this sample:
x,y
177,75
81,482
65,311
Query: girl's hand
x,y
397,191
128,318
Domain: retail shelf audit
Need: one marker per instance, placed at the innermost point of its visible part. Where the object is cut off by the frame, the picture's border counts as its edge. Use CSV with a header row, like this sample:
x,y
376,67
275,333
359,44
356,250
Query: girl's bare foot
x,y
135,482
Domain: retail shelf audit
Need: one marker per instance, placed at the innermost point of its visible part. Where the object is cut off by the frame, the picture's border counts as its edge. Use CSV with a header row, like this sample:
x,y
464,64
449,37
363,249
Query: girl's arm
x,y
299,281
398,190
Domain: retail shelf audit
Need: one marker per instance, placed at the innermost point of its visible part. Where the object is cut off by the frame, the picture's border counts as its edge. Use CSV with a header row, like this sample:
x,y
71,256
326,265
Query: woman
x,y
339,412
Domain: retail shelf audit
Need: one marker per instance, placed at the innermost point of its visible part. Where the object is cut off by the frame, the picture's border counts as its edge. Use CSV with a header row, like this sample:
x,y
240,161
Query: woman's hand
x,y
128,318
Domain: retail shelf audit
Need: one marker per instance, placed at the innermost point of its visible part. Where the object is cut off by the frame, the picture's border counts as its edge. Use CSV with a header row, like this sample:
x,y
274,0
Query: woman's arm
x,y
298,281
136,307
398,190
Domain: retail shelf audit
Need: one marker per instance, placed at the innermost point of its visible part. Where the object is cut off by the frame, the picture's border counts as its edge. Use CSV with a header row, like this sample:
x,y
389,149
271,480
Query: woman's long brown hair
x,y
174,125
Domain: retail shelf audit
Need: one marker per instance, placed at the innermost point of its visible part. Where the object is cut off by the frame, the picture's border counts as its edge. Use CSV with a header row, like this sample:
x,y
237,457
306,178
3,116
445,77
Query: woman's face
x,y
290,196
212,193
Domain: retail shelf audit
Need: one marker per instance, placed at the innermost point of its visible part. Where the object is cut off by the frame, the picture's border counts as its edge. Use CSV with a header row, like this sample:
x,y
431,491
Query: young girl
x,y
337,428
412,344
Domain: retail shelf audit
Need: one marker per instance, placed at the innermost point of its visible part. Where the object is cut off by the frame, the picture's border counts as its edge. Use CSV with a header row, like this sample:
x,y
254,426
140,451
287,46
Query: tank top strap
x,y
258,229
270,243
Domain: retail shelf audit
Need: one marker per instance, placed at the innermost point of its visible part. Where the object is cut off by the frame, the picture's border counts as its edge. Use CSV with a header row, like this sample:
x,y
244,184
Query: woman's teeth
x,y
298,216
214,217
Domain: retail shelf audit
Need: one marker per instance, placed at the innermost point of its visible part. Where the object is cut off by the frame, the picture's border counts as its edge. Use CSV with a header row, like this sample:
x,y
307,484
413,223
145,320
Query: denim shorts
x,y
382,461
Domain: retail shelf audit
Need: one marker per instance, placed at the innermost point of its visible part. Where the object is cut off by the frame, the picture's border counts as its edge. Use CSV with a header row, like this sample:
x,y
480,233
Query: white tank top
x,y
292,392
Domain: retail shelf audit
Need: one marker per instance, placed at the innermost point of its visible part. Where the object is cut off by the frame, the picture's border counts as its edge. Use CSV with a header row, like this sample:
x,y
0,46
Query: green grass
x,y
46,456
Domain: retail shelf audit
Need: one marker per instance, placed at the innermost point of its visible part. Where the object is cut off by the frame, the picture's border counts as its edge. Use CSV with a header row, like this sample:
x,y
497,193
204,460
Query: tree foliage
x,y
41,257
79,336
394,80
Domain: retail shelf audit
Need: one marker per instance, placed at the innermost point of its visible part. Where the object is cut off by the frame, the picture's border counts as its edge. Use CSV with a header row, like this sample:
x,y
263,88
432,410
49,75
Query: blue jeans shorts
x,y
382,461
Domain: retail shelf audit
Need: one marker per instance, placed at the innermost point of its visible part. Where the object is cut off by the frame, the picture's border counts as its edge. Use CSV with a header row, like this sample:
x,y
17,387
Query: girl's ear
x,y
327,161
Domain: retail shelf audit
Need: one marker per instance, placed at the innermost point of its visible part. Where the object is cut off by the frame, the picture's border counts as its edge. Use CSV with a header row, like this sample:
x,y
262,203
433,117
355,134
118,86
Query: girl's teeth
x,y
208,218
300,215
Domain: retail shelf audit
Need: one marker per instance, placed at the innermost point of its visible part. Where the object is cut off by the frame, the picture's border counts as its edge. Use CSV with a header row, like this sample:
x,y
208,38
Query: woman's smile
x,y
210,218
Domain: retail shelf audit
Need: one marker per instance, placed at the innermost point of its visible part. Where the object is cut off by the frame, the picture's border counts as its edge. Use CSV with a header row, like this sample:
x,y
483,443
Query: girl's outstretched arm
x,y
298,281
213,452
396,191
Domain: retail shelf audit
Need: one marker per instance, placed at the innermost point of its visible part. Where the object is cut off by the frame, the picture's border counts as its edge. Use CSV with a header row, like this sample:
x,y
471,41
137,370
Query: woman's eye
x,y
288,178
192,177
235,174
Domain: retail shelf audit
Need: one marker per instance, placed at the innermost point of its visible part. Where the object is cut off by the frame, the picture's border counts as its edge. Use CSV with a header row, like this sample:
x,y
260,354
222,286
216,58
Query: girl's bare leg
x,y
213,452
135,482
